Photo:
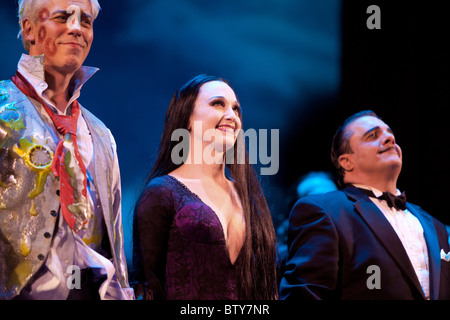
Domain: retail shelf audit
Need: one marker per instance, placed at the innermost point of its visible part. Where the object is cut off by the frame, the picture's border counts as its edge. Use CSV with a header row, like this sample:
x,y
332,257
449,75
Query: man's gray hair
x,y
30,8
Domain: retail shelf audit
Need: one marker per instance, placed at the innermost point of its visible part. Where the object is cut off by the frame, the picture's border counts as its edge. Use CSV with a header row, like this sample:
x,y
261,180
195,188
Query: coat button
x,y
53,213
41,256
47,235
57,192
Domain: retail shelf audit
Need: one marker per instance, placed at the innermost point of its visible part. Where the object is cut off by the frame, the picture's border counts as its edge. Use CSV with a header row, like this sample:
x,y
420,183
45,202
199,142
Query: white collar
x,y
32,68
375,191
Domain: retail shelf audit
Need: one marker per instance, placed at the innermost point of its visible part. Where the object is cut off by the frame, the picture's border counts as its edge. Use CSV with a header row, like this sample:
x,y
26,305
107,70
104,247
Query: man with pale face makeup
x,y
365,241
60,195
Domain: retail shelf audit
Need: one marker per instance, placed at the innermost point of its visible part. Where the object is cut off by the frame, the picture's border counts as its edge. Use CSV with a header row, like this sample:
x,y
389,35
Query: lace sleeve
x,y
152,221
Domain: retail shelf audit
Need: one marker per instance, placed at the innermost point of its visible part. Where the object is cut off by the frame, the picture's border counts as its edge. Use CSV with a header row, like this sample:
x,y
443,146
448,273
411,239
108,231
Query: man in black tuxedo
x,y
353,244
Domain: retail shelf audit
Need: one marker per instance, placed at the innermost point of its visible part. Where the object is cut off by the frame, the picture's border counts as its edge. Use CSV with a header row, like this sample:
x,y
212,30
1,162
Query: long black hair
x,y
258,267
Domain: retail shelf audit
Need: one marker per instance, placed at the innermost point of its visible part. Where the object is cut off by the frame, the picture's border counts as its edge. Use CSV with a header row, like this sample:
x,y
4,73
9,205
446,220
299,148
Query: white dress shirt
x,y
410,232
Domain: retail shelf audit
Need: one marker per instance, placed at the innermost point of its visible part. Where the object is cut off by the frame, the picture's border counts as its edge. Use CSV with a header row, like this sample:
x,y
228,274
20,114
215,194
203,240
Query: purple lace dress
x,y
179,245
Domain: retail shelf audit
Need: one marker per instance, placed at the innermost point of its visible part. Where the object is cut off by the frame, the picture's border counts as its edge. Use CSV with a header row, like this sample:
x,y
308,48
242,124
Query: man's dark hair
x,y
341,142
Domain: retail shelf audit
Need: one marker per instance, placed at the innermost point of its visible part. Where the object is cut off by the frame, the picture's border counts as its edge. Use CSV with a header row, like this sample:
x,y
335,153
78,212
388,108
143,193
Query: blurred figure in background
x,y
314,182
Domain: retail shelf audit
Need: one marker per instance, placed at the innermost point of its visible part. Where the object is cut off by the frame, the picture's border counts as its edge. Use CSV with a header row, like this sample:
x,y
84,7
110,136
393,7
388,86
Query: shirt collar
x,y
375,191
32,68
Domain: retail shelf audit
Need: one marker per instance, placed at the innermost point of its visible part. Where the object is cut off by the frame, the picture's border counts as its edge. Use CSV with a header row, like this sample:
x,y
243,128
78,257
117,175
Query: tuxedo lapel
x,y
434,256
383,230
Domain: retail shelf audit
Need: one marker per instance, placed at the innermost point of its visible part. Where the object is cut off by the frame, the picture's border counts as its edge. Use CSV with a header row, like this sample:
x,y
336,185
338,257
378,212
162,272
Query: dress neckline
x,y
180,183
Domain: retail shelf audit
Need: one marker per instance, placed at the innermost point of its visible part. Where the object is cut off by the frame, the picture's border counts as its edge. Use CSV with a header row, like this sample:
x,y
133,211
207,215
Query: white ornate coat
x,y
29,195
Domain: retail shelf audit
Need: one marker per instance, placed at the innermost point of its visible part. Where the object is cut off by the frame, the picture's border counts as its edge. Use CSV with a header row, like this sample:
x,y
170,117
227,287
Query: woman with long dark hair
x,y
202,227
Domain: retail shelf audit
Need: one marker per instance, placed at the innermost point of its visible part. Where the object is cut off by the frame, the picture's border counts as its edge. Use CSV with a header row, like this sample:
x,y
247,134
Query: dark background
x,y
402,72
300,66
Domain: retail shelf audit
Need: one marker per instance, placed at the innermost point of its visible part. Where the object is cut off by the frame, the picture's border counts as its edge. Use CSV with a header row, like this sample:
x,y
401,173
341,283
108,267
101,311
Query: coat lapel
x,y
434,257
101,157
383,230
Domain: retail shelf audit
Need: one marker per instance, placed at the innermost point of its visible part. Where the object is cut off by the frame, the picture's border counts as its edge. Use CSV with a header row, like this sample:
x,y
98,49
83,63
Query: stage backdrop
x,y
298,66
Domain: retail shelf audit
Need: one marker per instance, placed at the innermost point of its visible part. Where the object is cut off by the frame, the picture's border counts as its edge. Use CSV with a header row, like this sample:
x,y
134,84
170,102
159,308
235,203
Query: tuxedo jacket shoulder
x,y
342,247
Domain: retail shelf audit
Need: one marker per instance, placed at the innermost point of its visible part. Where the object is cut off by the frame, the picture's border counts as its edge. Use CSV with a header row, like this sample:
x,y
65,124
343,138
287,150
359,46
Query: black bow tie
x,y
397,202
